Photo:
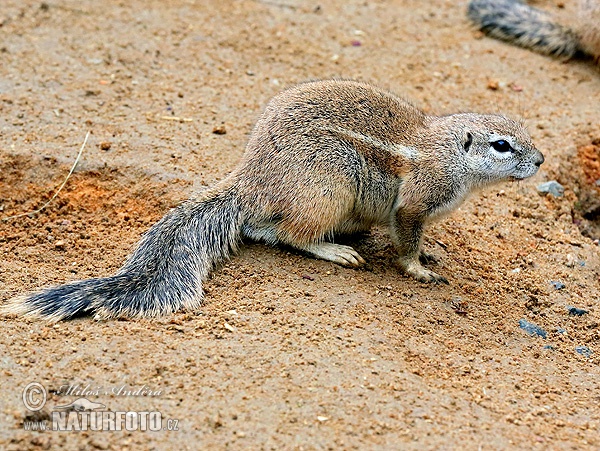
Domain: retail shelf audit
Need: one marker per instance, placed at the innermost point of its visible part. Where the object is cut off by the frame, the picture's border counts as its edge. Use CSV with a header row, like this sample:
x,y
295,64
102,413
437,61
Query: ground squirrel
x,y
325,158
523,25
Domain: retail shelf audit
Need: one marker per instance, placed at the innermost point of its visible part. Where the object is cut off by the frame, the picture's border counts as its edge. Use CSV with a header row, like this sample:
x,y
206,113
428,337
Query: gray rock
x,y
557,284
574,311
531,328
552,187
584,351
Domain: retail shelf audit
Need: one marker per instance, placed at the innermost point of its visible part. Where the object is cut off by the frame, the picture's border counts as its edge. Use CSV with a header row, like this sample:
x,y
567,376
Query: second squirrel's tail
x,y
163,275
518,23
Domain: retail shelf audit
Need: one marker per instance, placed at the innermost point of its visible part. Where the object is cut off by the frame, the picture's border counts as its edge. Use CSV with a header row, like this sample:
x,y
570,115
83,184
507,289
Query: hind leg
x,y
337,253
304,211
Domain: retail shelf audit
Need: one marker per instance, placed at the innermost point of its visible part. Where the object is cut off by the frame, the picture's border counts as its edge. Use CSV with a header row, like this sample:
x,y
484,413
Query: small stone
x,y
219,130
551,187
493,85
99,443
216,422
105,145
557,284
573,261
532,329
574,311
322,419
584,351
41,442
60,244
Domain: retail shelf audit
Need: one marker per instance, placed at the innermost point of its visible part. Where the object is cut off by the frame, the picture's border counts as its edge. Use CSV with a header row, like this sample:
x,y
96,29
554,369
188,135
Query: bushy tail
x,y
515,22
163,275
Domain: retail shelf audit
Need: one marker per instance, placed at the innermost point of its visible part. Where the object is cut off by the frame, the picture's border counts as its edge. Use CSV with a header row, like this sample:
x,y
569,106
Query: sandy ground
x,y
289,352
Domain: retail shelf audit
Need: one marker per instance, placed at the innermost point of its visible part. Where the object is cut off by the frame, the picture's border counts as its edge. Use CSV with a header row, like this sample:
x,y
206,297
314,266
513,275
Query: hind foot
x,y
337,253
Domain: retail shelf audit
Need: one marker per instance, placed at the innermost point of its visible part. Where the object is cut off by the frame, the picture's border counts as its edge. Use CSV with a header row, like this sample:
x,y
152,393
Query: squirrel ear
x,y
468,140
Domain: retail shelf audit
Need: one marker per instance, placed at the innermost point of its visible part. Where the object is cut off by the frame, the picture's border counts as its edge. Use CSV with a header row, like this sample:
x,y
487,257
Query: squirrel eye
x,y
502,146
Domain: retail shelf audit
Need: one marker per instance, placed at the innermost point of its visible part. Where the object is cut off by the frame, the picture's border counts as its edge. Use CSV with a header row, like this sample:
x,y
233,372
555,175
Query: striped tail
x,y
523,25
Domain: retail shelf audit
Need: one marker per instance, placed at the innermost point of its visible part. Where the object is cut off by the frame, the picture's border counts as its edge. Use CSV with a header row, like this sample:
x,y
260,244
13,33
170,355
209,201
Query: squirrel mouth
x,y
518,178
525,174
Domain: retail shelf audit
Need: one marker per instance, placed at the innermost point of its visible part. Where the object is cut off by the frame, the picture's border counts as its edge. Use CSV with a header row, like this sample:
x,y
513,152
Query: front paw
x,y
414,269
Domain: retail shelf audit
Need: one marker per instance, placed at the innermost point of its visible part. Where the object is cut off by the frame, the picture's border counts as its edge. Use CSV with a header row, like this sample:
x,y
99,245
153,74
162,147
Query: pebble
x,y
531,328
557,284
219,130
41,442
584,351
574,311
552,187
100,443
573,261
493,85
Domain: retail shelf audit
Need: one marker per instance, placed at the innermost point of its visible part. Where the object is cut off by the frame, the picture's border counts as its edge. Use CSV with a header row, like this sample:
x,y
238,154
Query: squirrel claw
x,y
426,258
430,277
442,279
415,270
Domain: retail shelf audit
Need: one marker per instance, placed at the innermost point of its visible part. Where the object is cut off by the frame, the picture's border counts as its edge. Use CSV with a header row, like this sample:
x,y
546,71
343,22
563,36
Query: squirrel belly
x,y
324,158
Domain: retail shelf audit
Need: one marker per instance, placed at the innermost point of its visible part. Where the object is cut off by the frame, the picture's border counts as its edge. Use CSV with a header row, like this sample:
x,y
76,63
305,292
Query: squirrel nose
x,y
540,159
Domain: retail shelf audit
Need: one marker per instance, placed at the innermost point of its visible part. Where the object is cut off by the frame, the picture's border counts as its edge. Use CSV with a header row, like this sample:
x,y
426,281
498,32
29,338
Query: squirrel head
x,y
496,149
